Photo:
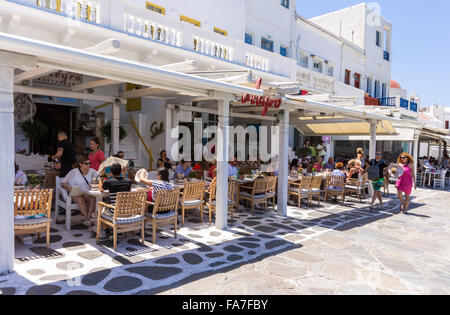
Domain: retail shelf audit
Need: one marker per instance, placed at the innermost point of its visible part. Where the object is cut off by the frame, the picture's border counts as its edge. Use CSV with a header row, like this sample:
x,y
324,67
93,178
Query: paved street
x,y
327,249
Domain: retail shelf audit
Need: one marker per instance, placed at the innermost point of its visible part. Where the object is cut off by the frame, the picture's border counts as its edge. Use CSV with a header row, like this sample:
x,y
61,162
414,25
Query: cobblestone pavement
x,y
334,248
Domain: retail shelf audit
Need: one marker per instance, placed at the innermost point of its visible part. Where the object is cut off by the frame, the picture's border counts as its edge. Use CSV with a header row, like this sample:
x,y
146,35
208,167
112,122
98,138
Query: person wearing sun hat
x,y
406,181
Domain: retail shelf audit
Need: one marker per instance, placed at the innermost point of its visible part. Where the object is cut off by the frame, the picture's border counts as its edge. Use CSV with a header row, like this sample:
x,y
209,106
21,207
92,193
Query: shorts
x,y
377,184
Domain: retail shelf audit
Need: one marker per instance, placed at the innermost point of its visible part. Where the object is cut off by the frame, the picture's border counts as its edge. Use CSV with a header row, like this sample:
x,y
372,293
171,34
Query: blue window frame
x,y
283,51
285,3
248,38
266,44
378,40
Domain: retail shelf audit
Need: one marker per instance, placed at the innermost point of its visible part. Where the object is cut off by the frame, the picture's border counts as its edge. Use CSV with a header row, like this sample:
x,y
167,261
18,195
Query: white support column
x,y
115,132
440,152
283,163
222,164
6,170
373,139
416,152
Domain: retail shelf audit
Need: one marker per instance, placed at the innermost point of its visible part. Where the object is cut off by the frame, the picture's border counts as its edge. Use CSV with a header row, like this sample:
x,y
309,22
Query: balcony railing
x,y
151,30
388,101
78,9
404,103
212,48
413,107
387,56
371,101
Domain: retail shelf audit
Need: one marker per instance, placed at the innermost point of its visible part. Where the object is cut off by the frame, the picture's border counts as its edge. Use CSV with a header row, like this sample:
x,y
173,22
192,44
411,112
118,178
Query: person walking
x,y
405,182
65,154
376,170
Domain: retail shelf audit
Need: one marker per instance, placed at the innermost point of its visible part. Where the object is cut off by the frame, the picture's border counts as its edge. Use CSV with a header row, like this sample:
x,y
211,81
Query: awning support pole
x,y
373,139
115,131
7,169
283,163
222,164
416,153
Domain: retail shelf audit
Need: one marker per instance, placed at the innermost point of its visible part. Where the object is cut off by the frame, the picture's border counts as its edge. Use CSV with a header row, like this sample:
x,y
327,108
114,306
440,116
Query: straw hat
x,y
396,171
142,173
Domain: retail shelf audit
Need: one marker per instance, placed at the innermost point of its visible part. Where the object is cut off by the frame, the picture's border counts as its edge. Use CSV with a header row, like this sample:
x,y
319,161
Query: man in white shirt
x,y
232,169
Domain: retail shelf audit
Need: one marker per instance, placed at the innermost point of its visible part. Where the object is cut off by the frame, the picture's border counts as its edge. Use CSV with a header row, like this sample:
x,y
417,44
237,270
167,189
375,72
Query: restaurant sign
x,y
265,101
60,78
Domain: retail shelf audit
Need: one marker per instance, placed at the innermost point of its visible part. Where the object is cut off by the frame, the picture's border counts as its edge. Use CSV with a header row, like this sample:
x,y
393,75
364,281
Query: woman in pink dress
x,y
406,181
96,156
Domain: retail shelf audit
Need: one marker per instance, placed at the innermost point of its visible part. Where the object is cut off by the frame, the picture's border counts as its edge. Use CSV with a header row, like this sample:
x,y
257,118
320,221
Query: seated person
x,y
163,158
295,166
212,170
77,182
162,183
183,170
232,169
317,164
355,169
20,178
339,170
116,184
330,164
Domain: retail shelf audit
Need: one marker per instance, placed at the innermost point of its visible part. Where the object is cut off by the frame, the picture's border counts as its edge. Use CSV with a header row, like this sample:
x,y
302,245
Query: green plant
x,y
107,130
304,152
35,131
33,180
192,175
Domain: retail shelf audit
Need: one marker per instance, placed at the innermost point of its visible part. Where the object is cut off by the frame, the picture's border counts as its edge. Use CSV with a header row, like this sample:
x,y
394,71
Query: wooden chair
x,y
211,202
300,190
193,198
271,192
316,184
335,186
256,194
35,206
129,214
354,186
62,200
50,179
165,200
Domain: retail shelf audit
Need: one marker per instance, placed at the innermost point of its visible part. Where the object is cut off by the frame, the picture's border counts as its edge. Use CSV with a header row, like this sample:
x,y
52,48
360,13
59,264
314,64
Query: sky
x,y
420,44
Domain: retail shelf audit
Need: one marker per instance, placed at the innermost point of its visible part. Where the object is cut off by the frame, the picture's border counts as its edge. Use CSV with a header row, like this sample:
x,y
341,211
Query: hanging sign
x,y
265,101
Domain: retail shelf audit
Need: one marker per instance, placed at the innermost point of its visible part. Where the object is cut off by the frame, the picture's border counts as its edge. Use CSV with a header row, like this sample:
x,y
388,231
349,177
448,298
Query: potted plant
x,y
35,131
314,171
192,176
33,182
107,130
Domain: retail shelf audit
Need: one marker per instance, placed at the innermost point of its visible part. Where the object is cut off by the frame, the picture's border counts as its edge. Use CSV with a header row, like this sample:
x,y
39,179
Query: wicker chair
x,y
300,190
354,186
316,184
129,214
165,200
50,179
256,194
211,202
271,192
335,186
193,198
35,206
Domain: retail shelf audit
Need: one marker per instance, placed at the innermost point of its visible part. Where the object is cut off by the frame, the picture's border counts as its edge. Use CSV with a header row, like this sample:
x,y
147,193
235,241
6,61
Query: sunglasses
x,y
403,157
86,163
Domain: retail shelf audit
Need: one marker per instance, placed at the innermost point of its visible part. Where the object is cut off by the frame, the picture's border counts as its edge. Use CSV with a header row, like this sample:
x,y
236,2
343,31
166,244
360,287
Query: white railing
x,y
148,29
81,9
212,48
313,80
257,62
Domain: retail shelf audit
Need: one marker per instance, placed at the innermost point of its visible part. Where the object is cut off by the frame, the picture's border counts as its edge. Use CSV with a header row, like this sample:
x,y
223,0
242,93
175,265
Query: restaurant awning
x,y
351,128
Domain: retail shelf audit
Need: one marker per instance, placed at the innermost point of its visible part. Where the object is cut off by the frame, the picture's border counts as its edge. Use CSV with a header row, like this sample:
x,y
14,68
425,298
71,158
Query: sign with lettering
x,y
265,101
60,78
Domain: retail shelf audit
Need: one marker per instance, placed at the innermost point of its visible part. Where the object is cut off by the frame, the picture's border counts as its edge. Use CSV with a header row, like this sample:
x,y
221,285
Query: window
x,y
284,51
384,90
357,80
155,8
249,38
376,92
285,3
447,124
318,67
347,76
267,44
304,61
184,18
330,70
220,31
378,39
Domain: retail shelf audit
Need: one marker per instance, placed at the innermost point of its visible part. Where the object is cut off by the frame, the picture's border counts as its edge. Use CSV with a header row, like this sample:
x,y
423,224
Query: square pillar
x,y
222,150
283,163
373,139
7,170
416,152
115,129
